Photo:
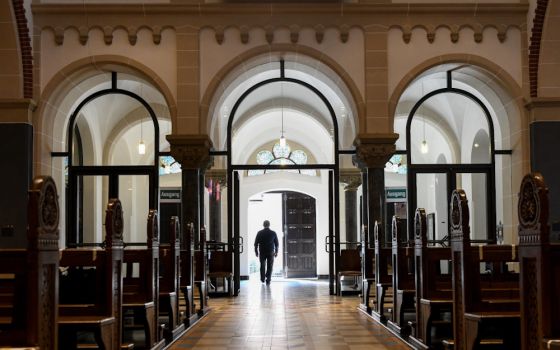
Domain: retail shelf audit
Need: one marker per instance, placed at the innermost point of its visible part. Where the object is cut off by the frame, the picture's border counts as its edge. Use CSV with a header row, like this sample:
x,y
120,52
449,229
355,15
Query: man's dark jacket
x,y
267,242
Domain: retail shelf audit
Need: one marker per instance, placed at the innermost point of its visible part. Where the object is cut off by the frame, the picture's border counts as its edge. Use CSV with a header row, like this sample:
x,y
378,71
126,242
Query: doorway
x,y
300,235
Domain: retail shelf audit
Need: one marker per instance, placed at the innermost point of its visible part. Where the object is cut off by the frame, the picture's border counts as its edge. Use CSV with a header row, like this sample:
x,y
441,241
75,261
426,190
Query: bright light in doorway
x,y
476,145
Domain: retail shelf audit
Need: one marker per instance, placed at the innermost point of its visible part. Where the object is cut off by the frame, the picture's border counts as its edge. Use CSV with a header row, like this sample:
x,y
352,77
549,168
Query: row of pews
x,y
464,295
111,297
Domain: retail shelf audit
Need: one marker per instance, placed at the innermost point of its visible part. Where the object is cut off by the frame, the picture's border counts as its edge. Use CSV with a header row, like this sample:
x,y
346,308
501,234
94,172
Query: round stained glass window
x,y
281,156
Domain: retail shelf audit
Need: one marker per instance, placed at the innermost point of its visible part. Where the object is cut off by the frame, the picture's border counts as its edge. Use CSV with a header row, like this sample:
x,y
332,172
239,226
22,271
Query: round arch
x,y
504,79
263,53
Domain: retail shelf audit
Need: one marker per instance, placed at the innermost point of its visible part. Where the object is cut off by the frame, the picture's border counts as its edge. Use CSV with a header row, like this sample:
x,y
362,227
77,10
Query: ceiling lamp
x,y
141,144
424,145
282,141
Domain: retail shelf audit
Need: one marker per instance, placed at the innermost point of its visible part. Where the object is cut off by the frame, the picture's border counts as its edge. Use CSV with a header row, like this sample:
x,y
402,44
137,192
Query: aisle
x,y
288,314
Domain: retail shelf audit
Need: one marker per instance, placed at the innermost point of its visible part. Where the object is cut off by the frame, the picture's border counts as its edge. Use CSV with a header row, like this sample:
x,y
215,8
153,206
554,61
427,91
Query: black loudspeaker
x,y
16,164
544,145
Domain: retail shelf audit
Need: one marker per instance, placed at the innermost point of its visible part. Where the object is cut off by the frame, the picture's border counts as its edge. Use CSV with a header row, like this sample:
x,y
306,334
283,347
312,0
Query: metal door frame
x,y
234,235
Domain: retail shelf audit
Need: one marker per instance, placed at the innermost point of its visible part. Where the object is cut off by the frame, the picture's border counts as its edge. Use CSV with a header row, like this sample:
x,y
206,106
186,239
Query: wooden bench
x,y
539,266
383,278
91,288
403,278
368,277
220,267
485,306
187,275
434,297
200,259
170,267
350,265
29,277
141,287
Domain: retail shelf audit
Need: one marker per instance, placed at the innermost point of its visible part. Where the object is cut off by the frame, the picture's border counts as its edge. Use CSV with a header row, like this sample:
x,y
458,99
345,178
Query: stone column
x,y
352,178
219,182
372,152
193,153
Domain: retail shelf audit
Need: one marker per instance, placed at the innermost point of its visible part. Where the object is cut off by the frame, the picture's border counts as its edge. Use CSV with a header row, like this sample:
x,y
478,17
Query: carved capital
x,y
352,178
191,151
374,150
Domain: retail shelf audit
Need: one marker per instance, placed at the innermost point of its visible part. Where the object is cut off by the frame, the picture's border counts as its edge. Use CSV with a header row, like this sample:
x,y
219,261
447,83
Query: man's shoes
x,y
262,281
268,283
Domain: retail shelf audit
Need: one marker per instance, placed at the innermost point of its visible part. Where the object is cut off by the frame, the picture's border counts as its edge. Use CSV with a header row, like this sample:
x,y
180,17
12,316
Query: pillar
x,y
216,179
193,153
372,152
353,180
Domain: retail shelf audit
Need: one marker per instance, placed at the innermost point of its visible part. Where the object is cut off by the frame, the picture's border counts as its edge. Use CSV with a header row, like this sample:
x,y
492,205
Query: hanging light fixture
x,y
141,144
424,145
282,141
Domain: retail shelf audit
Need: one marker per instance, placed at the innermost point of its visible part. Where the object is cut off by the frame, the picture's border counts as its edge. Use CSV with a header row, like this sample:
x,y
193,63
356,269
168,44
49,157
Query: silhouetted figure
x,y
266,248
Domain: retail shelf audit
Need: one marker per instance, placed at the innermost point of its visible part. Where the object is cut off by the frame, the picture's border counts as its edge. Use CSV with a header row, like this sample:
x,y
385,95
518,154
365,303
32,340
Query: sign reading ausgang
x,y
170,195
395,194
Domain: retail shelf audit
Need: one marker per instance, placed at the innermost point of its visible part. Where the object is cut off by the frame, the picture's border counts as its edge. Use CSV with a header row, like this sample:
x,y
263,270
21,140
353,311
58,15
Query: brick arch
x,y
504,79
216,85
544,59
25,48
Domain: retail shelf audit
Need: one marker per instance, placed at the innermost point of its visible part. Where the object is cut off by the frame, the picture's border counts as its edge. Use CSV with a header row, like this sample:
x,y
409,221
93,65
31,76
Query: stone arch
x,y
61,84
264,51
504,79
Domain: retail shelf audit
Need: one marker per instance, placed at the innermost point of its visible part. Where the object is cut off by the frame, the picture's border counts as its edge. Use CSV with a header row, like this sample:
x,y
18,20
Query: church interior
x,y
398,148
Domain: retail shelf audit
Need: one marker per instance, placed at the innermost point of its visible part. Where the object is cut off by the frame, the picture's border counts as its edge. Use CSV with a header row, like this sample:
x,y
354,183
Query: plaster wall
x,y
161,58
402,57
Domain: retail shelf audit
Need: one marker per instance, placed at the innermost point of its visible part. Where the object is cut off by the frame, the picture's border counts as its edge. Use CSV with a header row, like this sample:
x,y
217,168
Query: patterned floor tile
x,y
288,314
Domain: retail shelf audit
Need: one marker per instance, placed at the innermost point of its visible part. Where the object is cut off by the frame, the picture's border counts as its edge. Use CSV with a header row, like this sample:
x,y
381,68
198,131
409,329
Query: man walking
x,y
266,248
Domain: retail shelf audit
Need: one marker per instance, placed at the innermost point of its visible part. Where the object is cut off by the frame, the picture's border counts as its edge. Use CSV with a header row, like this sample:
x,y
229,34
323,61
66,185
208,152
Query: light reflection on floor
x,y
288,314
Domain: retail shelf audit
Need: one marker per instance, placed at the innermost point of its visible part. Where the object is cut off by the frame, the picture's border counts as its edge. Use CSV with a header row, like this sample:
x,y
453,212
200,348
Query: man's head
x,y
266,223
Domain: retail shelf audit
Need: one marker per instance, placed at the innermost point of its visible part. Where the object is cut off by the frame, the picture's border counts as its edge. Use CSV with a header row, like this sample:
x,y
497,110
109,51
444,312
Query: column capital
x,y
374,150
191,151
352,178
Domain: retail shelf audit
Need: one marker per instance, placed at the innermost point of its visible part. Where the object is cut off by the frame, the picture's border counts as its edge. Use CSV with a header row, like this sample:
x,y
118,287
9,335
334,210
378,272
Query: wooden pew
x,y
383,278
29,277
350,265
485,306
91,288
220,267
187,275
540,268
200,258
170,267
403,278
434,297
368,272
141,285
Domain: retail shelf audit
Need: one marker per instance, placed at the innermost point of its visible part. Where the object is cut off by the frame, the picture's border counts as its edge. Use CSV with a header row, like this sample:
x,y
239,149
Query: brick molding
x,y
535,47
25,48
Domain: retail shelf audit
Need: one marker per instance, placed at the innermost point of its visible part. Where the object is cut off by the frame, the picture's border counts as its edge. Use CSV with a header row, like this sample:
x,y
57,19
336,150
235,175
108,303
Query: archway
x,y
455,131
120,119
288,92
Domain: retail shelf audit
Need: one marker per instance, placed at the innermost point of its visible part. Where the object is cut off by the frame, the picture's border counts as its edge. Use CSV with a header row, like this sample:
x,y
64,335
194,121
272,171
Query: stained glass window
x,y
281,156
168,165
397,165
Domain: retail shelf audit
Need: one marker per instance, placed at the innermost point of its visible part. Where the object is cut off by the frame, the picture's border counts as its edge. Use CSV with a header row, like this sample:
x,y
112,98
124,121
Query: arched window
x,y
281,155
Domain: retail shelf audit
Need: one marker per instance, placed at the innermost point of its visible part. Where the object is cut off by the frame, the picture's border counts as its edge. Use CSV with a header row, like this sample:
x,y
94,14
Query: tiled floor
x,y
288,314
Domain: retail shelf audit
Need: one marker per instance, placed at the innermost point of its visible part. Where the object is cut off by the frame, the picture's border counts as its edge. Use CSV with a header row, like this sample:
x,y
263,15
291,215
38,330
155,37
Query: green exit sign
x,y
395,194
